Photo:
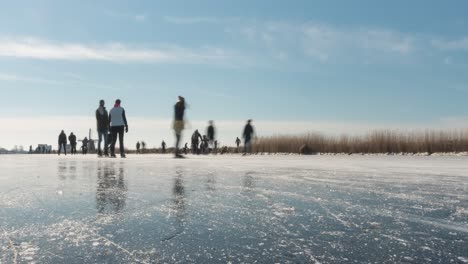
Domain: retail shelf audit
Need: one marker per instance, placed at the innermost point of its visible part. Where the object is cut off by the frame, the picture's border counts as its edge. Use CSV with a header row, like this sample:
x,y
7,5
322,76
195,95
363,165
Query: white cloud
x,y
34,48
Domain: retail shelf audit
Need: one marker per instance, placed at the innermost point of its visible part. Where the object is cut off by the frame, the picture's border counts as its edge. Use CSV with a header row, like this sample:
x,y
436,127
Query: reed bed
x,y
380,141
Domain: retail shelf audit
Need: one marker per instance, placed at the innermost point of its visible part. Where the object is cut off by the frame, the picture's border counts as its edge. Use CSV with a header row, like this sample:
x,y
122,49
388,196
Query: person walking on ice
x,y
247,135
118,124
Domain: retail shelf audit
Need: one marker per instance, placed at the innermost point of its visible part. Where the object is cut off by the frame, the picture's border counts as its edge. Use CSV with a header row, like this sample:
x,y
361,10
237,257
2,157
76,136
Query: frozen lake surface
x,y
232,209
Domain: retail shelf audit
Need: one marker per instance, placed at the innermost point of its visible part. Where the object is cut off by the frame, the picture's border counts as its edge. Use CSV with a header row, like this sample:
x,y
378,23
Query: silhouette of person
x,y
186,148
247,134
102,122
179,125
138,147
204,144
84,147
163,146
62,141
195,141
210,131
30,149
238,141
118,123
72,140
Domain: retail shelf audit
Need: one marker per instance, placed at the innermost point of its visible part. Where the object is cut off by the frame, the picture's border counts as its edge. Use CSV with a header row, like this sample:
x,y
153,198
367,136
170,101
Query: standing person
x,y
84,147
163,146
238,141
195,141
210,131
118,123
102,122
62,141
72,140
179,111
186,148
30,149
138,147
247,135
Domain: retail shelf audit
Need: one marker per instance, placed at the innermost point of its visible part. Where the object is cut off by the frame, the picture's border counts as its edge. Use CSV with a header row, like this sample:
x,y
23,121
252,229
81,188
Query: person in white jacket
x,y
117,124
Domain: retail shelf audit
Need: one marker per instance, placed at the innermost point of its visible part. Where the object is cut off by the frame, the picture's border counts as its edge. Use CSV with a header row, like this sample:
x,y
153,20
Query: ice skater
x,y
84,146
118,124
238,141
163,147
247,135
210,131
62,142
195,141
179,123
186,148
72,140
102,122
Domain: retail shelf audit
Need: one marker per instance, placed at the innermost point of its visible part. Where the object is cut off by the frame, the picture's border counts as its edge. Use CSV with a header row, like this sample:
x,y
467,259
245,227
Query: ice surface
x,y
232,209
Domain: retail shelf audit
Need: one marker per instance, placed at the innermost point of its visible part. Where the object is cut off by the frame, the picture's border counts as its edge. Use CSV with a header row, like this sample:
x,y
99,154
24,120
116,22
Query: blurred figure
x,y
84,146
247,135
179,111
204,144
186,148
102,121
163,146
138,147
72,140
238,141
195,141
118,123
210,131
62,141
30,149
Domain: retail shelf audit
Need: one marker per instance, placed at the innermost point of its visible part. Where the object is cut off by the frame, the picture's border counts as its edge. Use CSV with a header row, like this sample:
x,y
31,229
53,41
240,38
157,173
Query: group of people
x,y
62,142
113,124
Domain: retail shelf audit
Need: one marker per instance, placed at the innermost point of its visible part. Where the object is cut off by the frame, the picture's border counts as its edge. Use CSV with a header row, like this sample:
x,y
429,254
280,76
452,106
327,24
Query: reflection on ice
x,y
111,191
221,209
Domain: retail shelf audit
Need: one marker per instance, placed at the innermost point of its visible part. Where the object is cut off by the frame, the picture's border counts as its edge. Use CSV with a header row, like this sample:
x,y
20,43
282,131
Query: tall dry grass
x,y
380,141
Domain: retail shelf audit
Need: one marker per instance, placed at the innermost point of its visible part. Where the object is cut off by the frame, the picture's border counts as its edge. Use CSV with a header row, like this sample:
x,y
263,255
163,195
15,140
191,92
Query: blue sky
x,y
343,62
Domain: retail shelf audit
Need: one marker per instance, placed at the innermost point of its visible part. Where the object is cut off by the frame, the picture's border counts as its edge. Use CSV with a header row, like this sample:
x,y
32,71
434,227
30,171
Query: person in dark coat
x,y
195,141
84,147
163,146
62,141
186,148
247,135
138,147
179,123
210,131
72,140
102,122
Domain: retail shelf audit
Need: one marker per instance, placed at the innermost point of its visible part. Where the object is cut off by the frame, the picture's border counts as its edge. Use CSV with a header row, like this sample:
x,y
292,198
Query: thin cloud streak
x,y
33,48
